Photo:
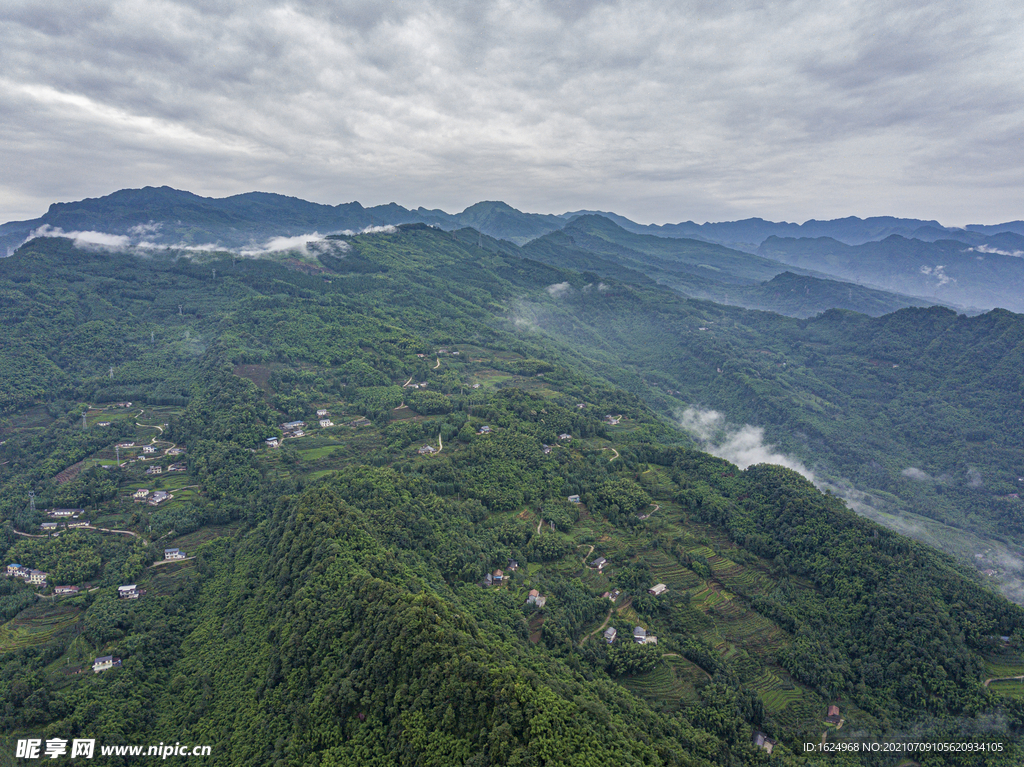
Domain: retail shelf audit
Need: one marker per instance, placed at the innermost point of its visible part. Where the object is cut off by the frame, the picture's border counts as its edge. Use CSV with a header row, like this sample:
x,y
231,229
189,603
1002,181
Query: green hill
x,y
334,609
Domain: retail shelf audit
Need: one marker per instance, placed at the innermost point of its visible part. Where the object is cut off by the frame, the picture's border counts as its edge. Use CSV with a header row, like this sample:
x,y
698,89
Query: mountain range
x,y
871,265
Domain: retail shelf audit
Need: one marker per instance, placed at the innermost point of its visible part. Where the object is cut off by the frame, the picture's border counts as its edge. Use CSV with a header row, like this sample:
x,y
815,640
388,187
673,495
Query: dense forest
x,y
467,410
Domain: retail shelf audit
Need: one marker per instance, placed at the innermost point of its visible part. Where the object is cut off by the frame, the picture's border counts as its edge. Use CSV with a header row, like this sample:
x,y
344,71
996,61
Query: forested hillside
x,y
466,410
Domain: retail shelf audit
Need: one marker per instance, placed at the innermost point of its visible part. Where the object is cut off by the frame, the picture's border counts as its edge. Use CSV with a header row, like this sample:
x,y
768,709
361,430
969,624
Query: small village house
x,y
105,662
760,740
326,422
65,589
832,715
63,513
599,563
322,412
657,590
639,634
573,499
49,526
130,591
565,436
610,634
140,494
148,449
37,577
174,554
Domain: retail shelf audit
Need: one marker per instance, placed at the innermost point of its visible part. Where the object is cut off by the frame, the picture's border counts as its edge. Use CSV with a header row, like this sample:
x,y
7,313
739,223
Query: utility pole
x,y
179,310
117,452
152,337
111,372
32,501
83,420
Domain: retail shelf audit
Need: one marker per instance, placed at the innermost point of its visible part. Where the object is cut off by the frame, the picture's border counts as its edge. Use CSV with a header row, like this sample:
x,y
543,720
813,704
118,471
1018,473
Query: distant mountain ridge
x,y
169,216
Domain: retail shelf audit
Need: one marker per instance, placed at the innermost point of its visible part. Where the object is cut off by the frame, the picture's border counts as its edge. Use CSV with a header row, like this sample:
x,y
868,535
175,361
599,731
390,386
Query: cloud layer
x,y
660,111
741,445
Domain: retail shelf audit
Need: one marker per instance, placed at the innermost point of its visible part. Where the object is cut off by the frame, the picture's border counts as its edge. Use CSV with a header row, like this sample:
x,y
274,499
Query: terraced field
x,y
1009,688
204,535
164,579
666,570
1004,664
661,684
37,625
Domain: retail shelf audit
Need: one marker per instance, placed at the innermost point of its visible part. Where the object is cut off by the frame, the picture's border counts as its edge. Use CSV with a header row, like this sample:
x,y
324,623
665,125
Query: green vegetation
x,y
333,612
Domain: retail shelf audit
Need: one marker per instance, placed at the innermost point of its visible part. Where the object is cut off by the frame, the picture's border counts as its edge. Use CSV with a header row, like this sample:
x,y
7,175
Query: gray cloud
x,y
658,111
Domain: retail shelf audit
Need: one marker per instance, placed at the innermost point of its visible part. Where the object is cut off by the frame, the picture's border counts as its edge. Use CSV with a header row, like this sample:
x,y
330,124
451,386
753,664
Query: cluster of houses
x,y
154,498
498,577
35,577
325,418
640,635
427,450
49,527
294,429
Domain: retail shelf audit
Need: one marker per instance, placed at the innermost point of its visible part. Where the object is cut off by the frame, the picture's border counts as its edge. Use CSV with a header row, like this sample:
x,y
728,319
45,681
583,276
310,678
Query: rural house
x,y
130,591
599,563
174,554
657,590
37,577
105,662
610,634
65,589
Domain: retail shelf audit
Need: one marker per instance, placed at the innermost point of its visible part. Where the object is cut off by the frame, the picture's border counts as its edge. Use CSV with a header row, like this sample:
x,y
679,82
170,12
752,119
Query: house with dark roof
x,y
599,563
832,715
610,634
105,662
639,634
760,740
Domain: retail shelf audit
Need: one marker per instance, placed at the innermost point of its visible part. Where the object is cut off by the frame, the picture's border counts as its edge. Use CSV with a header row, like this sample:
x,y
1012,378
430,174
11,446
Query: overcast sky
x,y
659,111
